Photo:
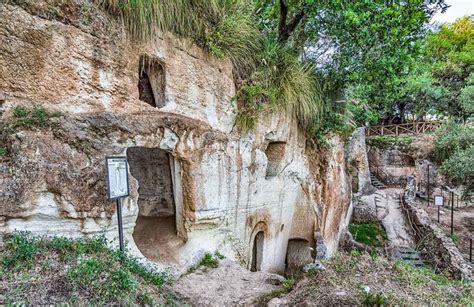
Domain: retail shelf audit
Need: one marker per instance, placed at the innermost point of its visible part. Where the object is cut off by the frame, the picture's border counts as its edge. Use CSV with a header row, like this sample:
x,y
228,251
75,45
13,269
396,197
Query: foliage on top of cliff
x,y
280,48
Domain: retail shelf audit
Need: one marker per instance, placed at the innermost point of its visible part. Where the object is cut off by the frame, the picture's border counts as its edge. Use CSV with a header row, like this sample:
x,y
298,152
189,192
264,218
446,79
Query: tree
x,y
443,80
365,45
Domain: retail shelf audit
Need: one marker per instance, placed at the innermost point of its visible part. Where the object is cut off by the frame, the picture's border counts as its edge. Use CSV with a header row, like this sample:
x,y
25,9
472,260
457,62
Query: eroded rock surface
x,y
227,186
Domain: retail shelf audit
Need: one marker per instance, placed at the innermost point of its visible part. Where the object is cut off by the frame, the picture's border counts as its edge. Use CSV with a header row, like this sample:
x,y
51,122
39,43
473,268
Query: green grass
x,y
211,260
371,234
454,237
87,267
376,281
37,116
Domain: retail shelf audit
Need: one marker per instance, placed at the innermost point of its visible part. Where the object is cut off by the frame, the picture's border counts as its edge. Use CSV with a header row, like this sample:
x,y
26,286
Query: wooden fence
x,y
408,128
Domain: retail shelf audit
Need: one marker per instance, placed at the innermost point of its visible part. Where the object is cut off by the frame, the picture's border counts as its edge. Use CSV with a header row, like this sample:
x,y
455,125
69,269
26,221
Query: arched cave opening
x,y
257,252
155,232
298,253
275,153
151,82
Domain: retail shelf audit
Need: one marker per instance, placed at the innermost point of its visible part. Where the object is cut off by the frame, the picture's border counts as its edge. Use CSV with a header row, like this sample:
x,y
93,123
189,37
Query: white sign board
x,y
438,200
117,177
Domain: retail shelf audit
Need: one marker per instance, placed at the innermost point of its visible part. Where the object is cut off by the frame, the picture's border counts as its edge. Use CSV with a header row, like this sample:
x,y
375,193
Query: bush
x,y
209,261
452,137
454,150
371,234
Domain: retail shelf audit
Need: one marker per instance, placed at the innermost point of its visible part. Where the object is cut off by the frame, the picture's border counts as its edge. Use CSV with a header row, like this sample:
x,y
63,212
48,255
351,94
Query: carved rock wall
x,y
52,181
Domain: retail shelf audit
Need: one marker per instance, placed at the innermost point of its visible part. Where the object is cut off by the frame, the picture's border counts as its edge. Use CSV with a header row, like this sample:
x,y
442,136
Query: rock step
x,y
408,255
376,182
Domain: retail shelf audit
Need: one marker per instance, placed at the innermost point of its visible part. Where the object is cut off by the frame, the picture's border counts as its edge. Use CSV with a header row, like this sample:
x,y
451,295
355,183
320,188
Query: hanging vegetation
x,y
270,74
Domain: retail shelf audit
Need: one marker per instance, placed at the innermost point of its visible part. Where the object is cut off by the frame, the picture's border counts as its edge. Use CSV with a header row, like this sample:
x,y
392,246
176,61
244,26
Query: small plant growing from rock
x,y
34,117
209,261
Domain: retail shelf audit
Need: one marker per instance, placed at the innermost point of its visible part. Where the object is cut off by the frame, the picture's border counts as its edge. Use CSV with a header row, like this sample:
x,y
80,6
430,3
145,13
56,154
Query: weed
x,y
355,253
374,255
146,299
370,234
454,237
22,249
219,255
209,261
92,271
20,112
375,299
3,151
34,117
289,284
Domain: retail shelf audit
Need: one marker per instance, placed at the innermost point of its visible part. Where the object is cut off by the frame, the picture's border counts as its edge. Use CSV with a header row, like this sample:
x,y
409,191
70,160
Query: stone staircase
x,y
376,182
409,255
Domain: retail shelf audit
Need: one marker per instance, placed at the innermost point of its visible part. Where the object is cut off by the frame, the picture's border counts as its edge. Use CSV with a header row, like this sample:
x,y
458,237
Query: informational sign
x,y
117,177
439,200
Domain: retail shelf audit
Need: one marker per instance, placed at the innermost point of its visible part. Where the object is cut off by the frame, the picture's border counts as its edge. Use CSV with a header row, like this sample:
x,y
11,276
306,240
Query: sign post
x,y
117,187
438,201
428,186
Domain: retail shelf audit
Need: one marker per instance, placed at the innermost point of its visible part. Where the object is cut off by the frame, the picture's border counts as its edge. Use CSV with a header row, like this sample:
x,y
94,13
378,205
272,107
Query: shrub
x,y
455,152
209,261
22,248
452,137
371,234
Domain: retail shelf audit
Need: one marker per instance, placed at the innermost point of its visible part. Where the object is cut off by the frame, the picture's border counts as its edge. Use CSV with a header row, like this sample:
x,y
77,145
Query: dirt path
x,y
390,213
386,203
228,285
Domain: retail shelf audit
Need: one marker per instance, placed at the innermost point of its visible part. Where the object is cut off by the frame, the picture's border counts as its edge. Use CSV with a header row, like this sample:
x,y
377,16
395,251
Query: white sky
x,y
458,9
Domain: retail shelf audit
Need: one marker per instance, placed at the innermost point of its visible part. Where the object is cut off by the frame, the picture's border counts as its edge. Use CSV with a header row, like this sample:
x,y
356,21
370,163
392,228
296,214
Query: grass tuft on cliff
x,y
40,271
271,76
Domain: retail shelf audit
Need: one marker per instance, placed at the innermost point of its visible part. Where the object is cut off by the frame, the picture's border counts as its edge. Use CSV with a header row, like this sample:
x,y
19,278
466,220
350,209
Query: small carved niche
x,y
151,81
275,153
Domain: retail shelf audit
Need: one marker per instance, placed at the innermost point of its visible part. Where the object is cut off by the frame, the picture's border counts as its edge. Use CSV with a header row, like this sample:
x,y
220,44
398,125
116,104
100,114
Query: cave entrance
x,y
156,229
298,253
257,252
151,81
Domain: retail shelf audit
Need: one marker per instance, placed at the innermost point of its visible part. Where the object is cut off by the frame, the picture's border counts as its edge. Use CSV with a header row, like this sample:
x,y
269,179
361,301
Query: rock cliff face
x,y
249,195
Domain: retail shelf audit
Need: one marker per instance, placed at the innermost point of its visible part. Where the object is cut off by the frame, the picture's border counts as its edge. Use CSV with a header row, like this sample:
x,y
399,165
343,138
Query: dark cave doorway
x,y
298,253
257,252
155,233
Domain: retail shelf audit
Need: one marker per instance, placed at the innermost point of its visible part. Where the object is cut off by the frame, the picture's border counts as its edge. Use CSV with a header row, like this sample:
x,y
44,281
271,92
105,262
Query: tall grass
x,y
287,83
223,27
227,29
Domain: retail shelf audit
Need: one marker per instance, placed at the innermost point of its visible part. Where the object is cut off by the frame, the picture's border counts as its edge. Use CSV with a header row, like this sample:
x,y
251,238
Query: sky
x,y
458,9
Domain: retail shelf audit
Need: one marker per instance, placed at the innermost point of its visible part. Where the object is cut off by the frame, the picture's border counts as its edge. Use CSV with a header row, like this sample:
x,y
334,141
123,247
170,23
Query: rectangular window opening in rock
x,y
275,153
151,81
155,233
